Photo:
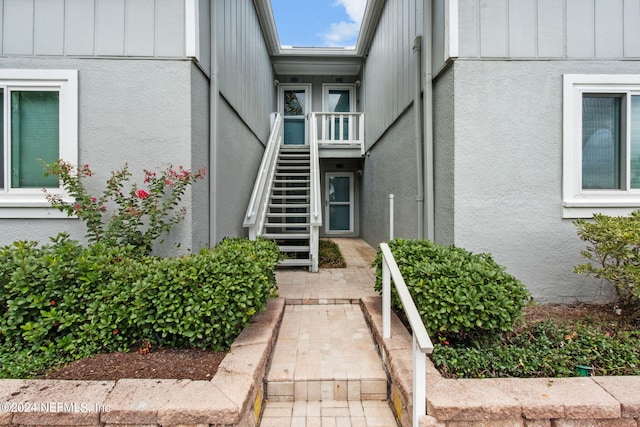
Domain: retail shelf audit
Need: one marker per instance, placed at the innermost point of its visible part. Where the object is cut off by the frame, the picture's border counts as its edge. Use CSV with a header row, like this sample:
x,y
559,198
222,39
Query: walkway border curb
x,y
232,398
544,402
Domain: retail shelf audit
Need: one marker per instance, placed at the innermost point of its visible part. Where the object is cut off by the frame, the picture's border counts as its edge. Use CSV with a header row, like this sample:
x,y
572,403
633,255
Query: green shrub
x,y
455,291
62,301
614,255
543,350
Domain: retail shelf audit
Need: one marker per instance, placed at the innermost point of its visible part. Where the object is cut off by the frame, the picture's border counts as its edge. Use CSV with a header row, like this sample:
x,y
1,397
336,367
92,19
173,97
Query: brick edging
x,y
232,398
592,401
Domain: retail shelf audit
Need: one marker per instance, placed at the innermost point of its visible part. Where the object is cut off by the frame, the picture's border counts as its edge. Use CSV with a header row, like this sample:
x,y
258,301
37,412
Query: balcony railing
x,y
339,130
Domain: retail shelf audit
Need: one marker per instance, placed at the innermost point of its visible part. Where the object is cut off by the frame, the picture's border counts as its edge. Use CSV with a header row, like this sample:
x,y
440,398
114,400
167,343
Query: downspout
x,y
428,122
213,127
417,109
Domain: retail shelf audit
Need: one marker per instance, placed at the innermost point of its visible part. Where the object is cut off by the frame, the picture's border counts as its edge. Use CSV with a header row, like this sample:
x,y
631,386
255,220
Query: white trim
x,y
452,31
31,202
576,202
192,29
327,229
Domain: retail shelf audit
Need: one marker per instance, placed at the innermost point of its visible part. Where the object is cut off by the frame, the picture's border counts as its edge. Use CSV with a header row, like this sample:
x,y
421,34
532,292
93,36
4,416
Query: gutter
x,y
417,104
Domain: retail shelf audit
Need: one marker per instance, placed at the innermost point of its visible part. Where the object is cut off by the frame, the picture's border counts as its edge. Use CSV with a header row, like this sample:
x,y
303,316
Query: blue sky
x,y
318,23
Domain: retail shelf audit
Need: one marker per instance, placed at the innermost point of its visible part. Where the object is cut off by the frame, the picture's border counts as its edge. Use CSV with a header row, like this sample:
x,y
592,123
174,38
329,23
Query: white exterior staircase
x,y
285,202
289,209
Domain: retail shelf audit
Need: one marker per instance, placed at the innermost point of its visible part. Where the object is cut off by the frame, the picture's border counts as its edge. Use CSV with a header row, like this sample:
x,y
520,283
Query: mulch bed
x,y
164,363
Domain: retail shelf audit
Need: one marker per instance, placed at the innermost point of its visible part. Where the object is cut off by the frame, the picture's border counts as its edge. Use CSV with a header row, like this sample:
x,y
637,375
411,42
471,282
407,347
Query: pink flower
x,y
77,207
103,208
93,199
141,194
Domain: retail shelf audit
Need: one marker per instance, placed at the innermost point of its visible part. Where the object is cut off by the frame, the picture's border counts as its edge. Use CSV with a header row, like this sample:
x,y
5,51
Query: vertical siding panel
x,y
632,28
79,27
493,28
49,27
18,27
170,31
522,28
551,28
110,27
580,31
438,35
1,26
609,29
139,28
468,29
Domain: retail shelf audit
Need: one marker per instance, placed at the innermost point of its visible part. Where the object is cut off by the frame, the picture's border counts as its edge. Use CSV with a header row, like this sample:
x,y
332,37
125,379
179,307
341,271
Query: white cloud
x,y
345,31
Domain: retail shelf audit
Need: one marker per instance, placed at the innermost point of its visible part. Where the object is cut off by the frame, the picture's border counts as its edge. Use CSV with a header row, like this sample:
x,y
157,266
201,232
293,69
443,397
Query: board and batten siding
x,y
580,29
139,28
244,66
389,71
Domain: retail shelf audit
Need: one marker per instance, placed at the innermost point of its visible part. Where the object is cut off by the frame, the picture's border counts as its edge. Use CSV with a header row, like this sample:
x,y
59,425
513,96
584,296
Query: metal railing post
x,y
419,383
386,299
391,197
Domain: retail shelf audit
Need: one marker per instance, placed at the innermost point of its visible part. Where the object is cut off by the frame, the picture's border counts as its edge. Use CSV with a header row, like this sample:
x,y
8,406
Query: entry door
x,y
339,203
294,105
339,98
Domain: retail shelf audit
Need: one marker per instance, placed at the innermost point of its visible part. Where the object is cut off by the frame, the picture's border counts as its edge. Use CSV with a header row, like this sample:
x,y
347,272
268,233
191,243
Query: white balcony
x,y
339,134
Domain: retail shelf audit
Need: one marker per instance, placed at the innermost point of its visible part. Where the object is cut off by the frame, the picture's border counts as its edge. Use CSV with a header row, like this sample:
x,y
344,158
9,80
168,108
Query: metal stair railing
x,y
421,342
256,211
315,220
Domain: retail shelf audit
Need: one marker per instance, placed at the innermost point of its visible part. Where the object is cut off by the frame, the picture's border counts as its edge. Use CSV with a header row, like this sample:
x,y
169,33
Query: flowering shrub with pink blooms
x,y
124,214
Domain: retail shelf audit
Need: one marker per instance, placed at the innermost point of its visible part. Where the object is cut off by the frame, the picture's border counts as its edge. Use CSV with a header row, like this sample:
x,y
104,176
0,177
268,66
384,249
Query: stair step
x,y
295,263
296,168
291,181
290,196
285,236
290,248
290,188
286,225
288,214
291,205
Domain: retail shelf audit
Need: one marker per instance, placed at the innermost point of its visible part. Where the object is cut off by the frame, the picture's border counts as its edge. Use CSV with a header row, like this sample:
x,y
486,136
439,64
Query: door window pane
x,y
601,142
294,102
339,189
294,132
635,141
339,101
339,217
34,137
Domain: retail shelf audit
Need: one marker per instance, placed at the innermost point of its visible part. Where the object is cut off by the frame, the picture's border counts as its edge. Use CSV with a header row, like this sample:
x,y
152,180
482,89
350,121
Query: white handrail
x,y
265,175
421,342
315,220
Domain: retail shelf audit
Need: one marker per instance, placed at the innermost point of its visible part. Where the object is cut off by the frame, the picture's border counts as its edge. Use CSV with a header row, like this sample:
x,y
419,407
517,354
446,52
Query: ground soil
x,y
202,365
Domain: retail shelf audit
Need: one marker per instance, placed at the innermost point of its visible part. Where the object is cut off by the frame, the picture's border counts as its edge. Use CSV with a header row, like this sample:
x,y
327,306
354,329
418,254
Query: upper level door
x,y
294,104
339,98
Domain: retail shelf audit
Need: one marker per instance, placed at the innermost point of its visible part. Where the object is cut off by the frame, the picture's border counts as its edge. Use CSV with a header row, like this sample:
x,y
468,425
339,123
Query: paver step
x,y
325,353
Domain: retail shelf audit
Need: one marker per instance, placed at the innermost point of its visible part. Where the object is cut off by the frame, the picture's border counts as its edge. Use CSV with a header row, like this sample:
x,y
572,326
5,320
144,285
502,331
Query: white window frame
x,y
31,202
326,87
576,201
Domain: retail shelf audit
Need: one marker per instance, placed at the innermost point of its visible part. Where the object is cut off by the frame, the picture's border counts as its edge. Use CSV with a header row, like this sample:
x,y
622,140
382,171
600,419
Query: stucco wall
x,y
238,155
444,156
136,112
390,167
508,170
